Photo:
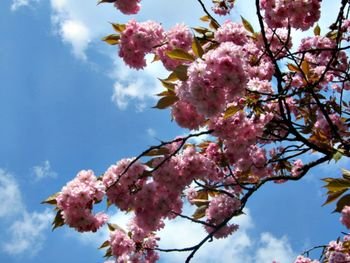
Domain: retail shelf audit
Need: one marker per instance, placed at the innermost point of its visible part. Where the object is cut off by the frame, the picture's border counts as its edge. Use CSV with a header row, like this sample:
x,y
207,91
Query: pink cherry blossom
x,y
128,7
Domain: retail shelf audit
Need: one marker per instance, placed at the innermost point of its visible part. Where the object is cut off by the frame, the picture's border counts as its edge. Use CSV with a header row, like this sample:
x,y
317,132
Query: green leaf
x,y
345,200
247,25
166,102
113,39
51,200
332,35
327,180
157,152
200,212
180,54
118,27
230,111
58,221
181,72
337,156
197,48
167,84
317,30
105,244
333,196
165,93
171,77
336,184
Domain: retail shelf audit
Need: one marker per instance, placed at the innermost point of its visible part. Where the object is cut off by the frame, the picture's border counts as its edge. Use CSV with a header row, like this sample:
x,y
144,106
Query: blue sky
x,y
67,103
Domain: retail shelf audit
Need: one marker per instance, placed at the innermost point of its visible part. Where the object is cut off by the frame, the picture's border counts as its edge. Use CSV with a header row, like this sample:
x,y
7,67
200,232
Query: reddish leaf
x,y
344,201
293,68
105,1
156,152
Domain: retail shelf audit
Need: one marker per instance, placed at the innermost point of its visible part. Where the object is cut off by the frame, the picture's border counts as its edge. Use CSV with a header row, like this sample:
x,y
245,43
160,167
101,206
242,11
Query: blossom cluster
x,y
186,115
345,218
220,208
317,52
301,14
137,40
227,79
335,252
128,7
220,76
131,248
178,37
120,187
76,200
223,7
231,32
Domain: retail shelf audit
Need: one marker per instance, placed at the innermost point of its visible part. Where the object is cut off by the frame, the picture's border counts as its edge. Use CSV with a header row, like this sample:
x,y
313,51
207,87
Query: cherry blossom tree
x,y
266,103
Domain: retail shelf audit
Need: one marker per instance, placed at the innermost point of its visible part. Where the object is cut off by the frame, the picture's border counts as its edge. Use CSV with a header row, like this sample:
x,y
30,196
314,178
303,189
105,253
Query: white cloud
x,y
43,171
78,35
241,247
21,3
25,229
272,248
122,94
10,196
137,86
238,248
27,233
78,23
